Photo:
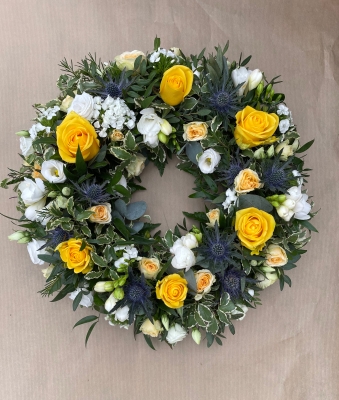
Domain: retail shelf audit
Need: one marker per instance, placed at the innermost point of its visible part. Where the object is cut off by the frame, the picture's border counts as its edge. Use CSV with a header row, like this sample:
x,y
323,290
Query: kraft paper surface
x,y
288,348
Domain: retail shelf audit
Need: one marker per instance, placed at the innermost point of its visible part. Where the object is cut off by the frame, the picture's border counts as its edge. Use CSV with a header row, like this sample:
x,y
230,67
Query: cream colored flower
x,y
153,330
287,149
47,271
267,278
66,103
116,136
204,279
275,256
126,60
194,131
101,214
136,166
149,267
213,216
246,181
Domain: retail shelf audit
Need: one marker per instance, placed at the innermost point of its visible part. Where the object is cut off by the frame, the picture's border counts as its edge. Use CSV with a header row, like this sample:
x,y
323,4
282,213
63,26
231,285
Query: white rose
x,y
126,60
31,211
153,330
33,250
301,208
122,314
32,192
86,299
136,166
149,126
208,161
267,279
83,104
183,258
26,146
284,125
176,334
53,171
189,241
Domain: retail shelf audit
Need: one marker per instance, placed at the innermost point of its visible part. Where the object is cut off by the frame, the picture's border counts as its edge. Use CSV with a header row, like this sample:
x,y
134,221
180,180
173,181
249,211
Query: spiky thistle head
x,y
113,87
91,192
217,249
276,175
57,236
231,282
229,172
137,297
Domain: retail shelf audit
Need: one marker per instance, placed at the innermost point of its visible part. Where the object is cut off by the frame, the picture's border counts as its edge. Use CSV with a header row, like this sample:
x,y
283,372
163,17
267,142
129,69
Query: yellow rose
x,y
172,290
195,131
75,131
75,259
213,216
246,181
275,256
254,227
126,59
175,85
101,213
255,128
149,267
204,279
147,328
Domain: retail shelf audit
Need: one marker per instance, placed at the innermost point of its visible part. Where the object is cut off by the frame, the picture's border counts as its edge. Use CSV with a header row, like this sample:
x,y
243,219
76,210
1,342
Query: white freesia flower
x,y
183,258
285,213
301,208
149,126
254,79
287,150
83,104
231,198
53,171
189,241
86,299
208,161
32,192
33,250
26,146
31,211
284,125
110,303
282,110
249,79
122,314
176,334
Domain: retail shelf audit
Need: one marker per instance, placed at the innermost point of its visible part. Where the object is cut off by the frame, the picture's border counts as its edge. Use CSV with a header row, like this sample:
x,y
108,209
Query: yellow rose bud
x,y
254,228
213,216
246,181
116,136
194,131
204,279
101,214
79,261
275,256
175,85
149,267
255,128
126,60
172,290
75,131
147,328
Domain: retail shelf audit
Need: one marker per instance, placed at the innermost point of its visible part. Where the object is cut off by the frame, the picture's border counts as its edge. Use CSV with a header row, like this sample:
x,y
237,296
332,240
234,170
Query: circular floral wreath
x,y
82,161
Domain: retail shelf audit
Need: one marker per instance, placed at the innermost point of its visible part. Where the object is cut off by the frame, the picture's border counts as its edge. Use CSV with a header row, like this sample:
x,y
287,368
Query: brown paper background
x,y
287,348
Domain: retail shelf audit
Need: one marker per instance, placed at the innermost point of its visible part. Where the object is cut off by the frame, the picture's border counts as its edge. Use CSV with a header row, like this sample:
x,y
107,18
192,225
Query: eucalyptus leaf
x,y
192,150
135,210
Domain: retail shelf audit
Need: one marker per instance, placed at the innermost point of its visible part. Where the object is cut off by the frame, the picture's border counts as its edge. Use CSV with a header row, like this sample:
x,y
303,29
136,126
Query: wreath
x,y
82,161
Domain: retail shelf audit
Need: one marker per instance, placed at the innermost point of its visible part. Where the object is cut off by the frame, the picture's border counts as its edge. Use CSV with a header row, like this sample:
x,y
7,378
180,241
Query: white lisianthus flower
x,y
83,104
183,258
189,241
31,211
149,126
26,146
301,208
86,299
122,314
176,334
33,250
231,198
53,171
208,161
283,110
32,192
284,125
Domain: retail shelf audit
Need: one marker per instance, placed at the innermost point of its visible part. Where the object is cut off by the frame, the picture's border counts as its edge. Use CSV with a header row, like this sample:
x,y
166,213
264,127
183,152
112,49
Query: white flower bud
x,y
254,79
166,127
260,153
23,134
270,151
196,335
289,203
110,303
17,235
165,321
61,202
66,191
284,213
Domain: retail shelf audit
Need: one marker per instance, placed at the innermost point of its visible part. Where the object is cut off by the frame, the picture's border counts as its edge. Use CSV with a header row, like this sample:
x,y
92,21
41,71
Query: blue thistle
x,y
229,173
217,249
230,281
113,87
55,237
137,297
92,193
276,175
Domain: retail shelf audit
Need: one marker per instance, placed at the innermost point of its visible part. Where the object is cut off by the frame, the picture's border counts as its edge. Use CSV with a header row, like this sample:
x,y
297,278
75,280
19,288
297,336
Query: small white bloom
x,y
122,314
120,262
26,146
110,303
35,129
83,104
285,213
302,208
208,161
282,110
53,171
31,191
176,334
231,198
33,250
284,125
189,241
86,299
